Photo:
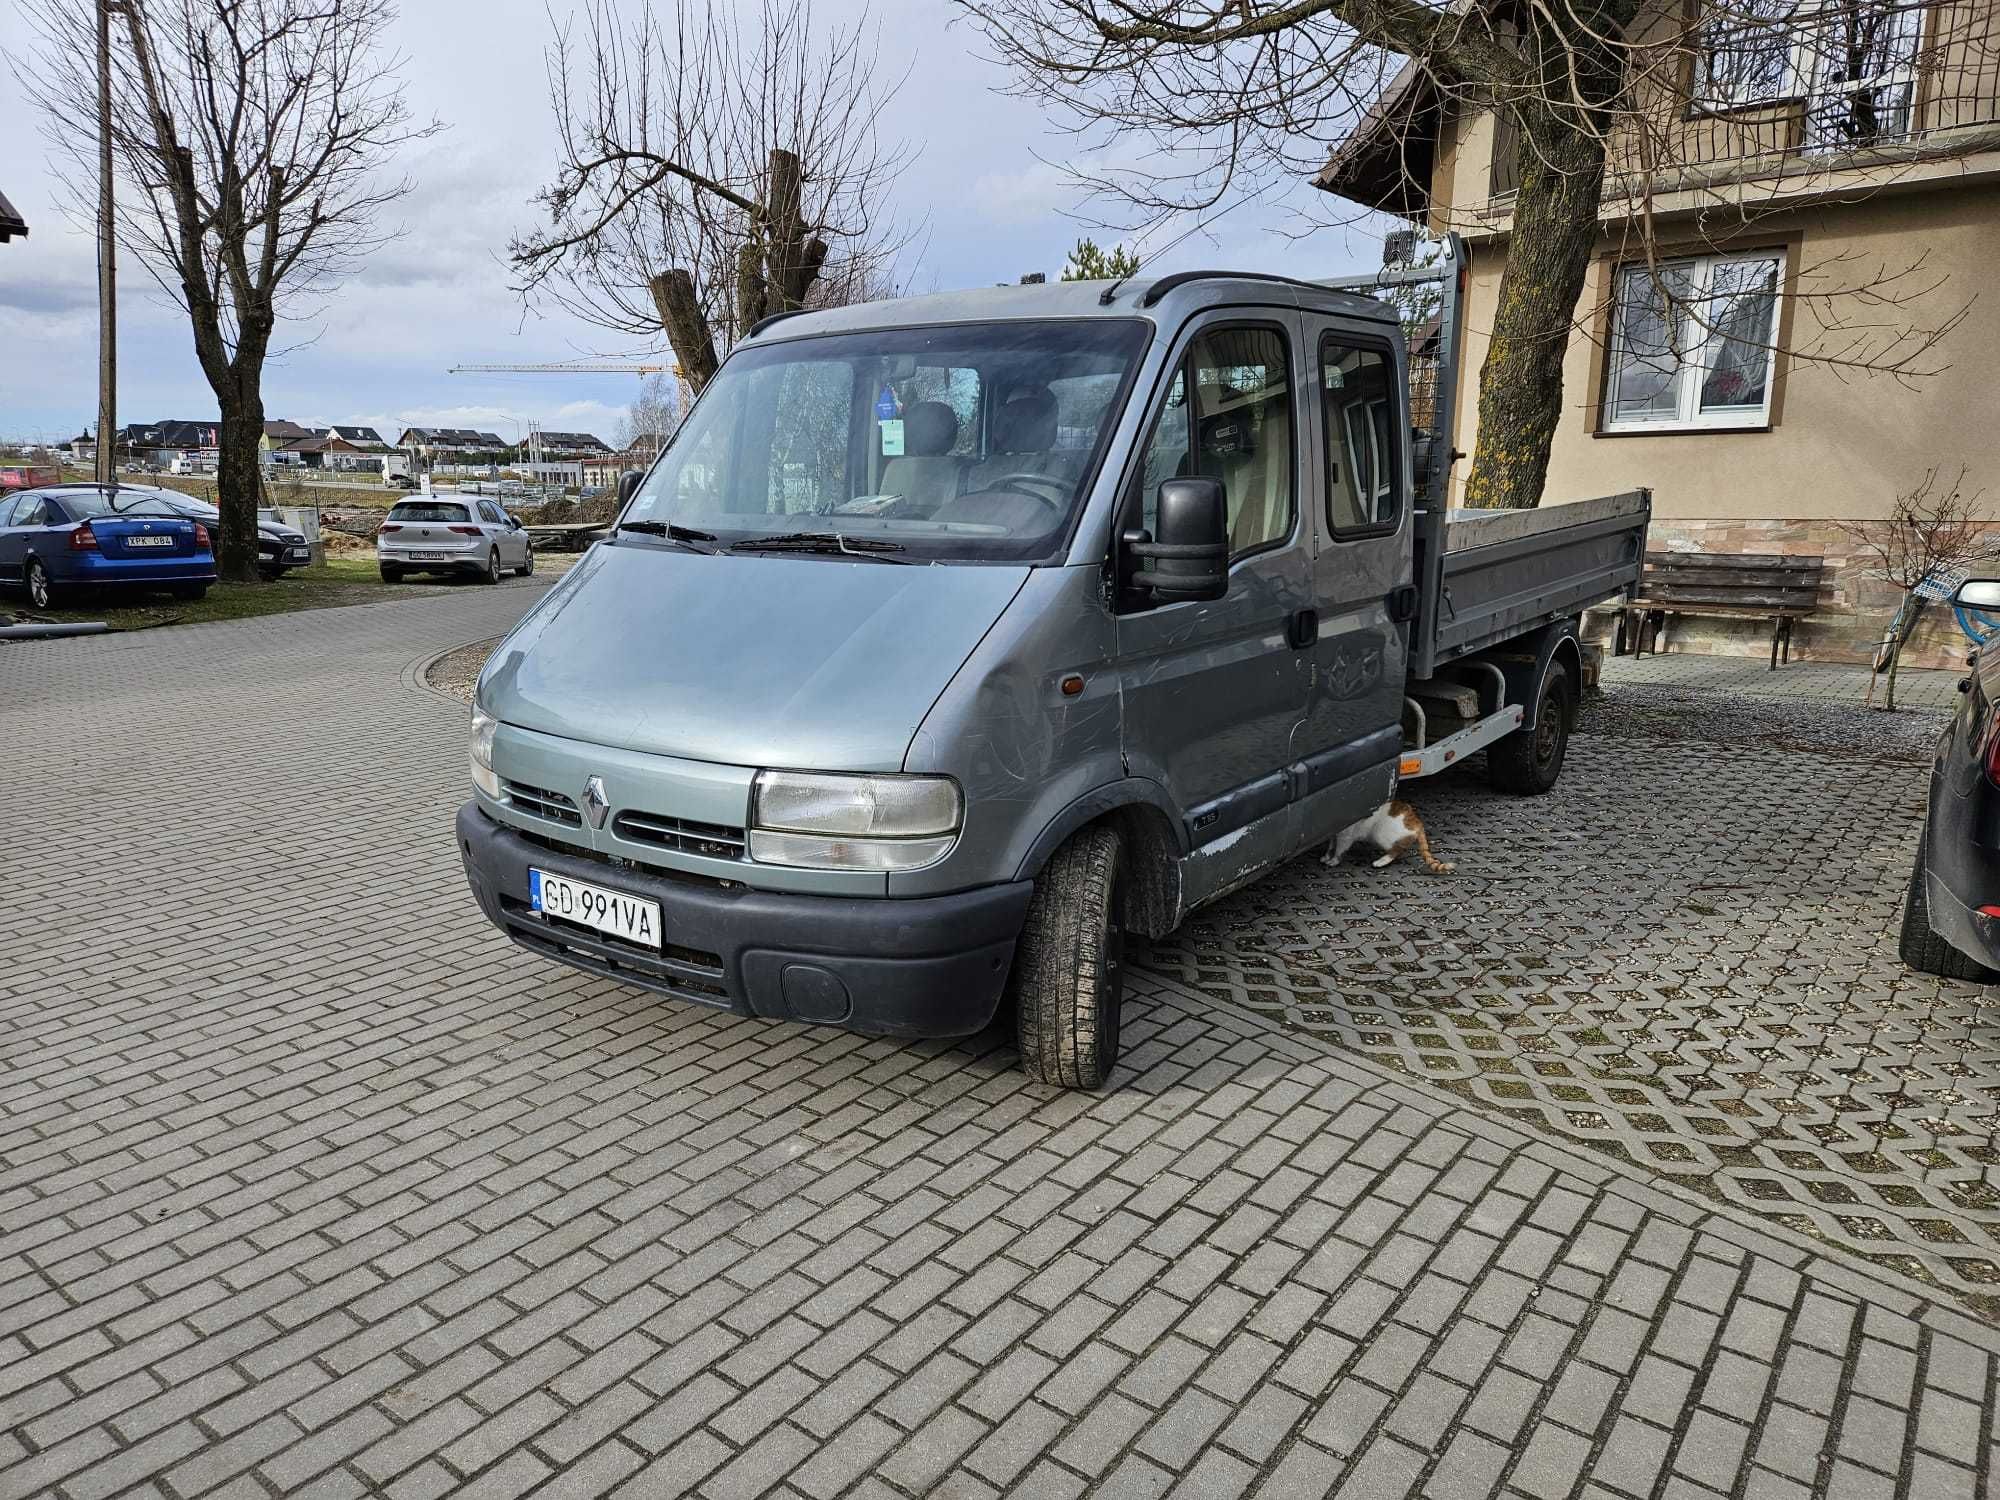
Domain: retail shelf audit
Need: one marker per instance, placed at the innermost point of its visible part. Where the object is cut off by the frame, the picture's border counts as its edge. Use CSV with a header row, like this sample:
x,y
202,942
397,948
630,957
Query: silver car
x,y
452,536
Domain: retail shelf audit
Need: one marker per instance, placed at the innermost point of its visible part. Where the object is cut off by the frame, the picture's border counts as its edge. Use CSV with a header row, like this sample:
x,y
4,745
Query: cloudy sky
x,y
980,184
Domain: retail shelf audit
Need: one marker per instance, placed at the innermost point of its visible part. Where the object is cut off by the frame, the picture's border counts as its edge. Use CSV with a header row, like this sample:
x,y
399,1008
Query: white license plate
x,y
430,556
301,554
149,541
628,917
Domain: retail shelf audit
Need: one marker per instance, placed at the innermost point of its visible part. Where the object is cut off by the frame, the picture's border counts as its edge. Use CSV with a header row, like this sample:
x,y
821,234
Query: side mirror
x,y
1190,557
1978,593
628,486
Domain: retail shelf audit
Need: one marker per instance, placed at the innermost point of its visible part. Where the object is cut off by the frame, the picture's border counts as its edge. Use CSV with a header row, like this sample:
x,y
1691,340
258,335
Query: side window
x,y
1228,415
7,504
489,513
31,512
1361,465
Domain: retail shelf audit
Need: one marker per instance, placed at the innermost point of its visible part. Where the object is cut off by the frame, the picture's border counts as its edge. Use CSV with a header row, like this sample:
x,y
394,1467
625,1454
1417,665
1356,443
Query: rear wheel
x,y
41,588
1921,948
1068,980
391,575
1528,761
527,562
190,591
492,573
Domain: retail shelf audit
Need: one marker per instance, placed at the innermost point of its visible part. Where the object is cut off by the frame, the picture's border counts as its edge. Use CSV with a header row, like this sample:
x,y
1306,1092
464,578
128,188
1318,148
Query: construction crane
x,y
567,367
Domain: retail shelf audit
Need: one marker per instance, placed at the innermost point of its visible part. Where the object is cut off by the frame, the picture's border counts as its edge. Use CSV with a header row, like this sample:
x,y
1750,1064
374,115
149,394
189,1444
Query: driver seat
x,y
1024,440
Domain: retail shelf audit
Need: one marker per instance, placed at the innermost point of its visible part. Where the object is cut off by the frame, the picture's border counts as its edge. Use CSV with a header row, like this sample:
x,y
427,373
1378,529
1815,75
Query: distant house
x,y
12,225
448,441
163,442
573,445
605,469
359,436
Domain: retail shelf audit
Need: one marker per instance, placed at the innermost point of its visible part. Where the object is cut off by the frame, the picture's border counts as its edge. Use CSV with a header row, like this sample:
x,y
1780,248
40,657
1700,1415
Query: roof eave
x,y
1385,162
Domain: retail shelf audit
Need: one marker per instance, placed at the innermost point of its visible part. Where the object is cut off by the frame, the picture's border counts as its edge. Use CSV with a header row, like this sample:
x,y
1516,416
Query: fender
x,y
1132,791
1525,665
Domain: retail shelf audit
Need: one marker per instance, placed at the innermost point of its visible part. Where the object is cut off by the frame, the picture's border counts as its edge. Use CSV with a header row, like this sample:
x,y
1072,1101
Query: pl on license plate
x,y
149,541
628,917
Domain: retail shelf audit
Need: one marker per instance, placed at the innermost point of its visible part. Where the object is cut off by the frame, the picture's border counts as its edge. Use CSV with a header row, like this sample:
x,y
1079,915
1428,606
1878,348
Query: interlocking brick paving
x,y
311,1186
1685,955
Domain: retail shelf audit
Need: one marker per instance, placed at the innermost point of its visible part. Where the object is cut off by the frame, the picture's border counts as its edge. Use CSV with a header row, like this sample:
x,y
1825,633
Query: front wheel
x,y
1068,979
527,563
1528,761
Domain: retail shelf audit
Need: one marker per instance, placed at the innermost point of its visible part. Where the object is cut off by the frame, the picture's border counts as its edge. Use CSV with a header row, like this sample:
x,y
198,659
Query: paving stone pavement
x,y
310,1186
1751,677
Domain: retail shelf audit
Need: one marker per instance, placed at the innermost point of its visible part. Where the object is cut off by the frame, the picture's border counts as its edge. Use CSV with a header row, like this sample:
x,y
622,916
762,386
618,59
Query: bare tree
x,y
1922,548
1233,98
653,415
719,163
252,137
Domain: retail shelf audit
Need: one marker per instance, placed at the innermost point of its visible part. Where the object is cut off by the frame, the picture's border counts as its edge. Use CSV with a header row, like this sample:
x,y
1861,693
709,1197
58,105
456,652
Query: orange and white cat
x,y
1395,829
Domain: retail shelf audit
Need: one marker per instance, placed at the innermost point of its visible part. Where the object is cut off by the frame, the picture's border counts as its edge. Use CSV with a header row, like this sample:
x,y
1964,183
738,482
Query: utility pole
x,y
107,264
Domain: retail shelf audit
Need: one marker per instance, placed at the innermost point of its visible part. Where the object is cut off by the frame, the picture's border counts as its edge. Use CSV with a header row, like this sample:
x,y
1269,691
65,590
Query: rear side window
x,y
426,510
31,512
1361,464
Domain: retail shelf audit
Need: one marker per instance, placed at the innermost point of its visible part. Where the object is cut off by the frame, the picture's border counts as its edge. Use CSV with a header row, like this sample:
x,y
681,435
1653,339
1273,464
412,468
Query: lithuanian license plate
x,y
632,918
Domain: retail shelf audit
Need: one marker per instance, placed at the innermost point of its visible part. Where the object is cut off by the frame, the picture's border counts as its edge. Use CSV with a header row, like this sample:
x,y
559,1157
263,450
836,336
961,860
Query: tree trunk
x,y
1520,384
688,333
237,472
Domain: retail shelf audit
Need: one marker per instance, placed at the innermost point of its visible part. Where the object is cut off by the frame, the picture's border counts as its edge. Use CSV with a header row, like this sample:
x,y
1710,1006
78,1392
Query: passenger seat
x,y
926,475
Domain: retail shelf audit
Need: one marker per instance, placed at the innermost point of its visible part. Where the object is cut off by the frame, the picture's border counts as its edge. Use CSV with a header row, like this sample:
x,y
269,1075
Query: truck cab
x,y
954,639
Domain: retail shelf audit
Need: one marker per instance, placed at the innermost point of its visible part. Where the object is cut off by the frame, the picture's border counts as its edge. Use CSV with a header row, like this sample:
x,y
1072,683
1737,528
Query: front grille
x,y
710,840
543,803
685,973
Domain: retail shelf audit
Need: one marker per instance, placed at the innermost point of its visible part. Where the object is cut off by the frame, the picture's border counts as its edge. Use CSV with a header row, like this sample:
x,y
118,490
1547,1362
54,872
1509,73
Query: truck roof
x,y
1163,299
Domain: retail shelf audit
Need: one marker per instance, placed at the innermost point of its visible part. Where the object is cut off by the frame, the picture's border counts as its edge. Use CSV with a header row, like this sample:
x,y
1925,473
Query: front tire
x,y
1068,980
1527,762
1921,948
41,588
527,563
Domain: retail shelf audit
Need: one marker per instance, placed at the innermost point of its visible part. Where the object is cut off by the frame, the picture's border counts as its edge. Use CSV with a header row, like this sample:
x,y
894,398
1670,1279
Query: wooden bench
x,y
1754,585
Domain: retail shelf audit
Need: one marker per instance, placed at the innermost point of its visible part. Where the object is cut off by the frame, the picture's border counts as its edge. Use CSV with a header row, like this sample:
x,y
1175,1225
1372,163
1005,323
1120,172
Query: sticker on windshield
x,y
892,437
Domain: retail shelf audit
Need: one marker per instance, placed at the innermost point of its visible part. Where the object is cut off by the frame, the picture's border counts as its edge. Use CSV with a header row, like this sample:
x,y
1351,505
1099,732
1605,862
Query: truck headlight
x,y
484,726
821,821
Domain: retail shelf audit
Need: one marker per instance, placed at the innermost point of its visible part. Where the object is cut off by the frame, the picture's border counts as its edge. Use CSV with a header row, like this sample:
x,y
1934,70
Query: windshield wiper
x,y
822,541
687,536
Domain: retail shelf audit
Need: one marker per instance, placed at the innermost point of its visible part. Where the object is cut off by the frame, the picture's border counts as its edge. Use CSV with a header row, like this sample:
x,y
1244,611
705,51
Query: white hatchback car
x,y
452,536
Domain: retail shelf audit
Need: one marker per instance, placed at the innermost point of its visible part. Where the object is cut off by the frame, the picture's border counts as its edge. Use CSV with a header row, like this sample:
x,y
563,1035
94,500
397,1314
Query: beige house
x,y
1809,190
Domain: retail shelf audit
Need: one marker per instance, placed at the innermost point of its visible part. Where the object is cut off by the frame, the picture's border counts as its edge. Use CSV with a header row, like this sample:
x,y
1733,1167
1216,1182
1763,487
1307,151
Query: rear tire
x,y
1528,761
391,575
1068,980
190,591
1921,948
41,588
527,564
492,573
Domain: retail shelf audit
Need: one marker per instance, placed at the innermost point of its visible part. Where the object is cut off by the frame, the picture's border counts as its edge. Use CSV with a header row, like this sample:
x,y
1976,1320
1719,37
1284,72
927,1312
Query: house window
x,y
1851,63
1692,343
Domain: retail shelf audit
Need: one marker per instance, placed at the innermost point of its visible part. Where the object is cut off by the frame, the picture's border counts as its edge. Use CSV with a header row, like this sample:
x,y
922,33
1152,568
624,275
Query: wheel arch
x,y
1154,842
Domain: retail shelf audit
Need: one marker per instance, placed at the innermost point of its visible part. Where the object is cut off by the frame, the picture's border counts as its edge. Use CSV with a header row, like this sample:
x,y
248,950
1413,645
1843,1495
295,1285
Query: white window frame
x,y
1688,415
1806,63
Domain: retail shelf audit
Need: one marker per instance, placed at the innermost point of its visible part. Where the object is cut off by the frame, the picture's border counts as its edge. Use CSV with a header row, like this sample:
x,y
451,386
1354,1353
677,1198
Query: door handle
x,y
1302,629
1403,602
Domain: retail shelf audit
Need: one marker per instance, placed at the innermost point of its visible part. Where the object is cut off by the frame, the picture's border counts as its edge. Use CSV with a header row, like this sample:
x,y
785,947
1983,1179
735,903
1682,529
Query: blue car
x,y
56,540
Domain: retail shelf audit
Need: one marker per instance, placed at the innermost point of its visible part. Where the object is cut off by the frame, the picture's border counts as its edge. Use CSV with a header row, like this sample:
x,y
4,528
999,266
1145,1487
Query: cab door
x,y
1214,691
1360,486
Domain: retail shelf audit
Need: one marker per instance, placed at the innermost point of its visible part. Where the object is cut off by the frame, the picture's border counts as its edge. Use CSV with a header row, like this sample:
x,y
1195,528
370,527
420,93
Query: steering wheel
x,y
1058,500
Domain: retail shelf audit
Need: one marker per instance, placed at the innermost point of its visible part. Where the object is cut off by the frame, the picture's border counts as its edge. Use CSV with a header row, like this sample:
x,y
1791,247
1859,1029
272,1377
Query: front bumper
x,y
927,967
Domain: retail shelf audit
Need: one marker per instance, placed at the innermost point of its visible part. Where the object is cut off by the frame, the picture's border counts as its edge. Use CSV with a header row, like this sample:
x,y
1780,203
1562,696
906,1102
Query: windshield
x,y
426,510
973,441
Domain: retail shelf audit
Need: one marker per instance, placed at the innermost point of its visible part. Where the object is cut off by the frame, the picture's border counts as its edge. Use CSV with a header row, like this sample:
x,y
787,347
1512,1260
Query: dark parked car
x,y
1951,914
280,547
65,537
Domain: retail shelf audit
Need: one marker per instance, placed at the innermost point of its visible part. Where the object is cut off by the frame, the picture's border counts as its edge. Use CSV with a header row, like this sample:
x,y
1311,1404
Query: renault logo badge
x,y
595,803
